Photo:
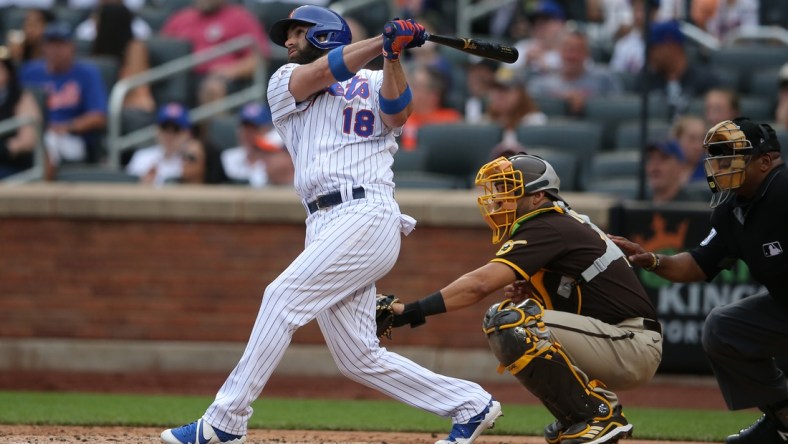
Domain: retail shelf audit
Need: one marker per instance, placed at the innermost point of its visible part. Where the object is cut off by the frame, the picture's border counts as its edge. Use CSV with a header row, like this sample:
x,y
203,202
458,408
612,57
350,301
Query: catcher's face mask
x,y
729,152
501,186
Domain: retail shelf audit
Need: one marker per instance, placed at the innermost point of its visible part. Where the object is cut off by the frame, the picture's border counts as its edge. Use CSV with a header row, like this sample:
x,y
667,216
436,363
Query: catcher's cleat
x,y
764,431
594,431
553,431
468,432
199,432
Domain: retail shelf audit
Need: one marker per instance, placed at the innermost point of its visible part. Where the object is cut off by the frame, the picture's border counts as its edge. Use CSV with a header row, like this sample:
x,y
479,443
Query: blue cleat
x,y
199,432
468,432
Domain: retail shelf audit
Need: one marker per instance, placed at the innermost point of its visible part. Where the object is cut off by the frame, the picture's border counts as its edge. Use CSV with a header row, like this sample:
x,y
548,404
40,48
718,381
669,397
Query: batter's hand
x,y
636,254
401,34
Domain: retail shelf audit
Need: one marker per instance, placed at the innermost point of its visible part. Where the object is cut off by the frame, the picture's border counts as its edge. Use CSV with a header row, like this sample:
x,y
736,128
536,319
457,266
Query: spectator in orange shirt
x,y
429,88
210,23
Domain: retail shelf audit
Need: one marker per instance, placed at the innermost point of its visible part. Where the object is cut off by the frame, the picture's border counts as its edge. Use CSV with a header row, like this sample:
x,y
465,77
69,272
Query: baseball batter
x,y
339,122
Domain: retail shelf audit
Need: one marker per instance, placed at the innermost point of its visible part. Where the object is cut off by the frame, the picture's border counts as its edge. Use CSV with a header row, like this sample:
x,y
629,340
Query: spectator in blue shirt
x,y
76,99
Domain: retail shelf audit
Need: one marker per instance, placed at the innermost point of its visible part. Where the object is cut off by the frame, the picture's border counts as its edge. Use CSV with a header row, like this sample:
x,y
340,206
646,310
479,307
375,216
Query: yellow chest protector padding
x,y
524,346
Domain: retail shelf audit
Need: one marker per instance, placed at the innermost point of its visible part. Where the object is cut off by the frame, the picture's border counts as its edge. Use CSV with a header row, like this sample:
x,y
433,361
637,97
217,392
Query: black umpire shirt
x,y
755,231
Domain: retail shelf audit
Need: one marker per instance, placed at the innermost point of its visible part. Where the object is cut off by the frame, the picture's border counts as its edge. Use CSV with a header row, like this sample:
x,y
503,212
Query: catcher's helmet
x,y
504,181
730,145
327,29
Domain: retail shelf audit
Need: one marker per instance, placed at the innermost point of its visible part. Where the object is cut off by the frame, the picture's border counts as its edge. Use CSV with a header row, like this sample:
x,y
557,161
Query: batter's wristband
x,y
336,63
394,106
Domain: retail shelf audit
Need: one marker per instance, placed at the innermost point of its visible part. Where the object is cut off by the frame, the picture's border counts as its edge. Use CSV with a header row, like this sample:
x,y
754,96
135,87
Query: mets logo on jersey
x,y
508,245
772,249
356,87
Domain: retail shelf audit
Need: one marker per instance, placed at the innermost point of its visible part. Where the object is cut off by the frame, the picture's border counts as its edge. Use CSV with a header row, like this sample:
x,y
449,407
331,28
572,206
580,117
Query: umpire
x,y
587,327
749,181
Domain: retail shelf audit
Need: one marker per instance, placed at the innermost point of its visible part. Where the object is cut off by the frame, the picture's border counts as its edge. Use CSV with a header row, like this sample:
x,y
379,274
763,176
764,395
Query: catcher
x,y
587,327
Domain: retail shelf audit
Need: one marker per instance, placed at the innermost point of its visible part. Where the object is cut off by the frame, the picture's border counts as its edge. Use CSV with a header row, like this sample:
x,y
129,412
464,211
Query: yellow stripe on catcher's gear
x,y
525,347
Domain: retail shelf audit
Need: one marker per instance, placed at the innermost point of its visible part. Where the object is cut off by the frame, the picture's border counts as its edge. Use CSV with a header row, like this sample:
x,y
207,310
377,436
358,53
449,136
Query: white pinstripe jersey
x,y
335,137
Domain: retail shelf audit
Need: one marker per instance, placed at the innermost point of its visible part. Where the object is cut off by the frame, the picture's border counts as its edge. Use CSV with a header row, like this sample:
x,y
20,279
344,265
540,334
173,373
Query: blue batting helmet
x,y
327,29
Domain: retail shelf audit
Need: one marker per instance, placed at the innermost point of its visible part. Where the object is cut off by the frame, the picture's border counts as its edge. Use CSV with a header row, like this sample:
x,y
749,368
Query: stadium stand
x,y
628,133
457,149
590,152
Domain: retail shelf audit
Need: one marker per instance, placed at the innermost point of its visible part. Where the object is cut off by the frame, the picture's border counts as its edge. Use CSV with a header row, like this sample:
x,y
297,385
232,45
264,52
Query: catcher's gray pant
x,y
348,248
622,356
741,340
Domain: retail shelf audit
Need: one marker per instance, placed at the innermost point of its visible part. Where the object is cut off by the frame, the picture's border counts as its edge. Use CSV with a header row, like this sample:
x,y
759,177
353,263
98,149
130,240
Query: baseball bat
x,y
477,47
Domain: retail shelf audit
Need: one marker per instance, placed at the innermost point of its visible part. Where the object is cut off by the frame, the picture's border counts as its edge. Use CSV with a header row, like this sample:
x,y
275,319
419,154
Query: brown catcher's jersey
x,y
551,248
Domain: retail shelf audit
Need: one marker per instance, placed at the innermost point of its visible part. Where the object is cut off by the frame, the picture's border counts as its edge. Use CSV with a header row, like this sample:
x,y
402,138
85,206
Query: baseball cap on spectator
x,y
666,32
174,114
546,9
506,77
255,114
59,31
668,147
782,76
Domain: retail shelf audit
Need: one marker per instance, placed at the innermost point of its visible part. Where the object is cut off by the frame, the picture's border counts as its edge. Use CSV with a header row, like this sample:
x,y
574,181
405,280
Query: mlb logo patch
x,y
772,249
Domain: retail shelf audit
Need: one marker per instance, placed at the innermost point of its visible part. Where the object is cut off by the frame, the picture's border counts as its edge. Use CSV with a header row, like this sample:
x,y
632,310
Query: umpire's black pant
x,y
741,340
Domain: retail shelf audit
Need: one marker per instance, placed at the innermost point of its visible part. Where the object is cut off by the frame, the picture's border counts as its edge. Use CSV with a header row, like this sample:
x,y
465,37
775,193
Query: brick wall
x,y
197,281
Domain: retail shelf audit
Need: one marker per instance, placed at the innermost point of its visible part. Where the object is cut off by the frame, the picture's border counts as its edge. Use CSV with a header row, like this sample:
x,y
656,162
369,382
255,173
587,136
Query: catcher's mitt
x,y
384,314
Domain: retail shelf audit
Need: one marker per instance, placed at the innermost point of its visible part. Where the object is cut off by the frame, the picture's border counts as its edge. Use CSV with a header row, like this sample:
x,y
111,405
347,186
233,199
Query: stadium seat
x,y
551,106
773,12
564,164
222,132
581,139
755,107
176,88
628,134
423,179
611,111
10,18
92,174
153,16
763,83
457,149
612,166
409,160
744,57
626,188
108,68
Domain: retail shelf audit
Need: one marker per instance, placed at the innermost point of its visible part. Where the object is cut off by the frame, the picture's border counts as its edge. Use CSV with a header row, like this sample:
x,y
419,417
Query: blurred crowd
x,y
61,59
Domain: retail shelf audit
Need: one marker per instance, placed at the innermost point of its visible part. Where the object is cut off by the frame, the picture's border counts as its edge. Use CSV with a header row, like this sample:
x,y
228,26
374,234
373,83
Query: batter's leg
x,y
349,329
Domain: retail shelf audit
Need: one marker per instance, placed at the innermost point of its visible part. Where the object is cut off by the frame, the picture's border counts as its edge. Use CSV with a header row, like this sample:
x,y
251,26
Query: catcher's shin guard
x,y
525,347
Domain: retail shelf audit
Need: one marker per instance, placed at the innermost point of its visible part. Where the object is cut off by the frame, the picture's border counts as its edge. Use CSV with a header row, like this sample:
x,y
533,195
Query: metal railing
x,y
467,12
117,142
37,171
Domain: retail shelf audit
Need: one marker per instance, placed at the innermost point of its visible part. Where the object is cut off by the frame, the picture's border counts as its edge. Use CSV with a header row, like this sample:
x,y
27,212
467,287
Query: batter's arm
x,y
394,85
308,79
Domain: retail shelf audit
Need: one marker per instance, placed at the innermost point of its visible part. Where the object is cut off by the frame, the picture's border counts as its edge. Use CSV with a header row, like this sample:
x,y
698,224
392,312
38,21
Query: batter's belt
x,y
331,199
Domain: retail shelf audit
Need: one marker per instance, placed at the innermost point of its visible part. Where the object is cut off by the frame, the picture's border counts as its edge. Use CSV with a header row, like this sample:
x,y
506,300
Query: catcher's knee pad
x,y
525,347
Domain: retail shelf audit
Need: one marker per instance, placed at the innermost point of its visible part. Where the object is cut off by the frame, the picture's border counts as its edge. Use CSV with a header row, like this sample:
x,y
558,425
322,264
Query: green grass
x,y
159,411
